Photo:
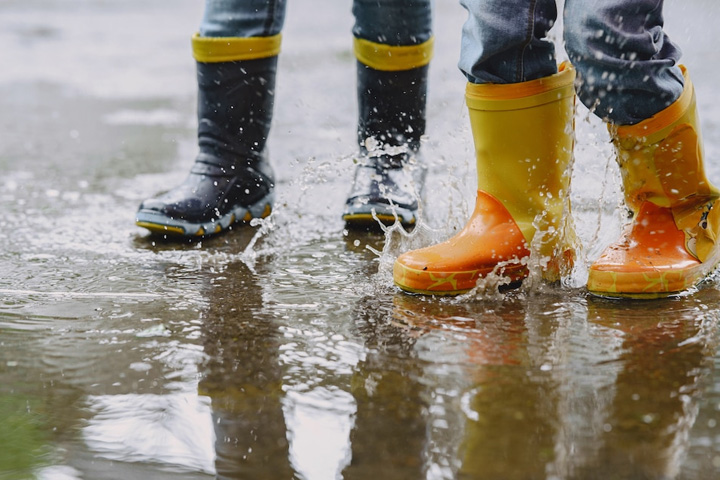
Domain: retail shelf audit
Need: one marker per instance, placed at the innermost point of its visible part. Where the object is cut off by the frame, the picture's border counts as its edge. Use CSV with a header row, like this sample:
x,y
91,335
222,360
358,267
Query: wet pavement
x,y
283,351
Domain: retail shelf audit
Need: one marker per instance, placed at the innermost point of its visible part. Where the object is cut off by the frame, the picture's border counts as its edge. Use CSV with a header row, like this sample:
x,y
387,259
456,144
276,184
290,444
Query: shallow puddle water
x,y
283,350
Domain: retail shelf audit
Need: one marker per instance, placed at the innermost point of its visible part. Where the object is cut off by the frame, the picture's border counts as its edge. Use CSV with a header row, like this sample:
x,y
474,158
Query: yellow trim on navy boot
x,y
231,49
393,58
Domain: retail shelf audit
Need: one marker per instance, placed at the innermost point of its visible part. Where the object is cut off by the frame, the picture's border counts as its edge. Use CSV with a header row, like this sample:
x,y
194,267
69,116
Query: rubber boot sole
x,y
451,283
161,224
387,215
649,285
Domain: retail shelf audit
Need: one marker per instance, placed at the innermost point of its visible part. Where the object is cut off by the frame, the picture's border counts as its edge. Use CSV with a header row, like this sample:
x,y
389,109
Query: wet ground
x,y
283,351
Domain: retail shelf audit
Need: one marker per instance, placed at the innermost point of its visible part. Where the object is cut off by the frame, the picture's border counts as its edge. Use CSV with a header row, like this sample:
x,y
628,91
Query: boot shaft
x,y
392,93
523,135
661,158
391,106
661,161
236,90
235,107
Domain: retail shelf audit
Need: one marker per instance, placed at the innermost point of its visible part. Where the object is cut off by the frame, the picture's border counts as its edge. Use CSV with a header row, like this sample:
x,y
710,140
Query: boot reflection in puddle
x,y
388,438
664,347
478,361
243,378
584,388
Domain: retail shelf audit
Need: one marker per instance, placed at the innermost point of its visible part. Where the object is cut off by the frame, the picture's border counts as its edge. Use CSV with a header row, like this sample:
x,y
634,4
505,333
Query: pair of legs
x,y
236,50
521,113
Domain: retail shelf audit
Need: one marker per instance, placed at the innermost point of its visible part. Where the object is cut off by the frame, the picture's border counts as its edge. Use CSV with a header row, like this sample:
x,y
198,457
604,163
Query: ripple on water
x,y
175,430
319,422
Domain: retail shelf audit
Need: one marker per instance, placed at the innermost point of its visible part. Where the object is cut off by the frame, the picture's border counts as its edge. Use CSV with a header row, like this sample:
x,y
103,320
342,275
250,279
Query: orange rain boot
x,y
671,244
523,135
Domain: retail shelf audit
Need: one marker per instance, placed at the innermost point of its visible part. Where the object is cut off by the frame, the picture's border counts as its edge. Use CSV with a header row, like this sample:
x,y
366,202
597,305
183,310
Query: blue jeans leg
x,y
242,18
393,22
392,96
627,66
503,41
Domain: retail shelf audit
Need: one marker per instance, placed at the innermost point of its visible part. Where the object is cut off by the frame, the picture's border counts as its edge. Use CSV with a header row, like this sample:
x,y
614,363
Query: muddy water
x,y
283,351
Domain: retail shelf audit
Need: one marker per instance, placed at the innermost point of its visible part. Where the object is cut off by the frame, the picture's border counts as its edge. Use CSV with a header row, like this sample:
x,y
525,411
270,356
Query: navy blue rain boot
x,y
231,180
390,173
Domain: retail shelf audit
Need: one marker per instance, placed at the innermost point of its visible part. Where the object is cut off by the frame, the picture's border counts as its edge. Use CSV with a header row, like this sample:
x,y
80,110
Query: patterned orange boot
x,y
523,135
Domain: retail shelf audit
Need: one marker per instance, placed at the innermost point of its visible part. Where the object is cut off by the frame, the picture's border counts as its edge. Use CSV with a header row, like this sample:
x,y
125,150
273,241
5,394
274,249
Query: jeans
x,y
627,66
390,22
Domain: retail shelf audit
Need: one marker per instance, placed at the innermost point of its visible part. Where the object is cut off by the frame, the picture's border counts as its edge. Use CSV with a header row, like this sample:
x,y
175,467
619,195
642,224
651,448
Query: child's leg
x,y
242,18
521,114
393,47
231,179
629,75
503,41
627,65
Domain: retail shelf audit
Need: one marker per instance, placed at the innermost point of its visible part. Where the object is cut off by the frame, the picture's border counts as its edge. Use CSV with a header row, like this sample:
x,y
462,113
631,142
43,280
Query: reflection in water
x,y
665,344
317,372
552,387
310,369
243,378
319,424
389,425
173,429
501,379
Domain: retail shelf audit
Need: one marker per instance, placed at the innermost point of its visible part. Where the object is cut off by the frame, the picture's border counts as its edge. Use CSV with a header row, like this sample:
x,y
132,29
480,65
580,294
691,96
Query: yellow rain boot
x,y
523,135
671,244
